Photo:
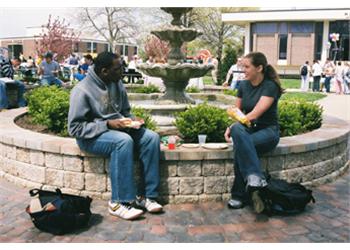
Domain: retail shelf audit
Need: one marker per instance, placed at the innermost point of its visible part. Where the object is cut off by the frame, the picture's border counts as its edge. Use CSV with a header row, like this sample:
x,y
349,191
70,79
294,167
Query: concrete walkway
x,y
336,105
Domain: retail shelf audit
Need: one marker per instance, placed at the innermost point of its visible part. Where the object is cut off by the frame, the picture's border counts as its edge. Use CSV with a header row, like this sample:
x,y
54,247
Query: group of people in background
x,y
322,76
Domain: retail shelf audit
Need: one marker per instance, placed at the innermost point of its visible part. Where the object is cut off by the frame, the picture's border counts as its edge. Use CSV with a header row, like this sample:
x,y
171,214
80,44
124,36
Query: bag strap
x,y
34,192
59,192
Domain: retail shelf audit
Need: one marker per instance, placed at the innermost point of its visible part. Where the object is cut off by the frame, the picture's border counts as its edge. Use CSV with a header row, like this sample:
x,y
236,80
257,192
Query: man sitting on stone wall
x,y
6,77
100,119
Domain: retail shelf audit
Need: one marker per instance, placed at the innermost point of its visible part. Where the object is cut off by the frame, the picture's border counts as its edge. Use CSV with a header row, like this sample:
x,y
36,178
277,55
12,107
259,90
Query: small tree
x,y
229,59
56,37
156,48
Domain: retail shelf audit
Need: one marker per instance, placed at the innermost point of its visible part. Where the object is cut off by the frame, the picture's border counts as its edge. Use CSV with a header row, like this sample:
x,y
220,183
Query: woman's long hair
x,y
257,59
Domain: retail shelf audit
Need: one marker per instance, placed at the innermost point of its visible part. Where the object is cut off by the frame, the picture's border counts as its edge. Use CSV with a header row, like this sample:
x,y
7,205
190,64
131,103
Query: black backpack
x,y
303,70
58,213
283,198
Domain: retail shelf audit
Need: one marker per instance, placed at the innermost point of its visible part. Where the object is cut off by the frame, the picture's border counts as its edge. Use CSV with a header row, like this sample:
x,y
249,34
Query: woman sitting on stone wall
x,y
257,98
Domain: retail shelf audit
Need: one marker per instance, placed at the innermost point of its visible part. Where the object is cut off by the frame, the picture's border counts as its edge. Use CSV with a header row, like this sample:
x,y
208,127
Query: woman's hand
x,y
228,135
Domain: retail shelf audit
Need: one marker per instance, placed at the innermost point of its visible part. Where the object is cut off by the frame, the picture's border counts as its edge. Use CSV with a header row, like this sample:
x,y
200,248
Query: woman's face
x,y
251,72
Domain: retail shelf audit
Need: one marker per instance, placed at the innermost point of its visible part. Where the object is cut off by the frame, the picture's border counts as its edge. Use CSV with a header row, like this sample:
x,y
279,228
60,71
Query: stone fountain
x,y
175,74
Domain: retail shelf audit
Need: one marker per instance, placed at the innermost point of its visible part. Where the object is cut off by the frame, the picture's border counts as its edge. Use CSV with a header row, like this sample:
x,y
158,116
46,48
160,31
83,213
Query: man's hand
x,y
119,123
140,120
228,135
225,84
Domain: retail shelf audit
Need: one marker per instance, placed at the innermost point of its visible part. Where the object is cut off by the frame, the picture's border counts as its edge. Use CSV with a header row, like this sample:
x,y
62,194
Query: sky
x,y
17,19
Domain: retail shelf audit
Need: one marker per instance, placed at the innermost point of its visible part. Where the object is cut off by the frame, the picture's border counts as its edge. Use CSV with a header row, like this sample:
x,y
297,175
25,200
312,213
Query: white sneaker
x,y
124,211
150,205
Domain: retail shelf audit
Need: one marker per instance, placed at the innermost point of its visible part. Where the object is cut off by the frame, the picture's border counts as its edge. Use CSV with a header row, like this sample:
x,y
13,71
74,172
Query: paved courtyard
x,y
328,220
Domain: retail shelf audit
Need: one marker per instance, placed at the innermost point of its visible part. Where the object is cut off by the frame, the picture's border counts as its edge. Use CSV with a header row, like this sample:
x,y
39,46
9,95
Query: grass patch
x,y
290,83
309,97
207,80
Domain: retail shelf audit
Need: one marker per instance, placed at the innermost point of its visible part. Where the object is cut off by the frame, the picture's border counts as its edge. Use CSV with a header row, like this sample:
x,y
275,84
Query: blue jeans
x,y
51,81
3,96
316,84
249,143
119,146
327,83
235,84
79,76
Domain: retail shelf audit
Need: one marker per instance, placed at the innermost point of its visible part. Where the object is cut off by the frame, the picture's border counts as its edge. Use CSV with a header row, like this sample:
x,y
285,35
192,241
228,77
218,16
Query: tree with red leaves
x,y
56,37
156,48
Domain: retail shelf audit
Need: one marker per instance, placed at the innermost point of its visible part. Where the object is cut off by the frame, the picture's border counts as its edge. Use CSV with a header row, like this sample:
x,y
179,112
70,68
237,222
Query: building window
x,y
264,28
283,39
342,50
76,47
121,49
135,50
15,50
318,40
283,28
91,47
301,27
126,50
106,47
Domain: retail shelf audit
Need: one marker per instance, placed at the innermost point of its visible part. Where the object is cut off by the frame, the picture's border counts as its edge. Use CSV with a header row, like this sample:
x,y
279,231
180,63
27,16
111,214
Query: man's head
x,y
108,67
4,52
48,57
16,62
88,59
240,61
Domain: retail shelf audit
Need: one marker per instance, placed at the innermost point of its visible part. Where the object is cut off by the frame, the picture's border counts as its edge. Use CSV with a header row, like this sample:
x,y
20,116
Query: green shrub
x,y
147,89
298,116
139,81
192,90
49,106
146,116
202,119
230,92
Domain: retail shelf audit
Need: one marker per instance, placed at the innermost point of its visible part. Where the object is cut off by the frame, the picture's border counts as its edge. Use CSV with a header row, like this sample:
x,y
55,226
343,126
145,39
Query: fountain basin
x,y
177,34
177,73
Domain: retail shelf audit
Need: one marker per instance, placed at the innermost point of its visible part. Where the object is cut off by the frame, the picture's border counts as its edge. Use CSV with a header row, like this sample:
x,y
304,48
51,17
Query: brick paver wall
x,y
187,175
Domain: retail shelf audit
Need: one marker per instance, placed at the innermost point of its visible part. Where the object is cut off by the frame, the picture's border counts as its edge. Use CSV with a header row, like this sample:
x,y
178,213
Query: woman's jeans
x,y
249,143
119,146
327,83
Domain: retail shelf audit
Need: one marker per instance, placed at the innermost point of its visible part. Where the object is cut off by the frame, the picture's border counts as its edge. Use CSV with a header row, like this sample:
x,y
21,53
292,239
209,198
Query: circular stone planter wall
x,y
187,175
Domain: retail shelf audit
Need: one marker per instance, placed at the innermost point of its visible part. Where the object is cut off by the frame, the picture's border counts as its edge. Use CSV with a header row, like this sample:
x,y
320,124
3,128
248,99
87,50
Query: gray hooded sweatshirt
x,y
92,103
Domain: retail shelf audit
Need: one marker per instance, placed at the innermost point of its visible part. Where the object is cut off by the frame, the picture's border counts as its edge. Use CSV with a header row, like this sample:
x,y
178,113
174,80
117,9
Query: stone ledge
x,y
333,131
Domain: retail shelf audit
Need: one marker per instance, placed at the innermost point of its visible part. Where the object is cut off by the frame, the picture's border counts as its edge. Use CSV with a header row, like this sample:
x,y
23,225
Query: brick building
x,y
26,45
290,37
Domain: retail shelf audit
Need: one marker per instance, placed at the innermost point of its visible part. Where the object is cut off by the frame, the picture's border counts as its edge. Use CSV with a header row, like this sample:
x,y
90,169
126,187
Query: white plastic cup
x,y
202,139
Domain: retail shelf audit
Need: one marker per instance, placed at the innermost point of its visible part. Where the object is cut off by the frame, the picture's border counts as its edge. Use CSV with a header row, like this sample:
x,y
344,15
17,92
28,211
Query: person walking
x,y
236,71
328,70
316,74
346,78
338,78
305,76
